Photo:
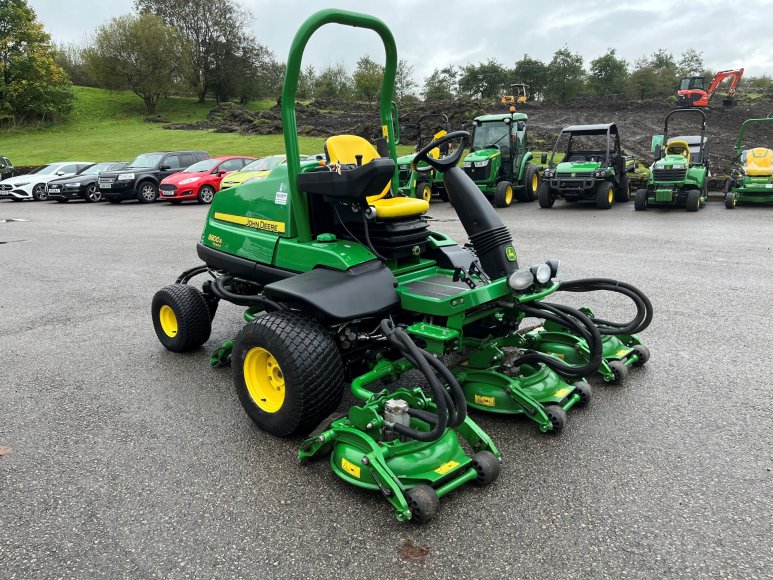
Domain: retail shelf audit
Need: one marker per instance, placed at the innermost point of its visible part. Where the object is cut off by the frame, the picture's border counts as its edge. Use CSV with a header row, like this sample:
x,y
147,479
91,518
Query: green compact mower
x,y
593,167
343,282
499,161
679,176
424,184
751,179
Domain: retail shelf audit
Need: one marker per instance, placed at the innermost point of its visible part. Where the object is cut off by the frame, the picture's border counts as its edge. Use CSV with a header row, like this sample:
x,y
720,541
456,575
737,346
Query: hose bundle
x,y
221,287
450,401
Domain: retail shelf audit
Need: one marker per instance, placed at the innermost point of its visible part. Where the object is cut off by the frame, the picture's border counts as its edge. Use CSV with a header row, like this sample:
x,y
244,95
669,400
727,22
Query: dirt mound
x,y
637,121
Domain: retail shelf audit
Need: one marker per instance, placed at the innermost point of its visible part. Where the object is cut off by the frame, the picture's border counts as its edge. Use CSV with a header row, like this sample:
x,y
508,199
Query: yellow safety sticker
x,y
487,401
560,355
561,393
385,131
350,468
254,223
446,467
623,352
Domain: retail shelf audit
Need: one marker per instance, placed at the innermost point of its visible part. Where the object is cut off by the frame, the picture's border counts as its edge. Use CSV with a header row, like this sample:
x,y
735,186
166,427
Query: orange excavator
x,y
692,91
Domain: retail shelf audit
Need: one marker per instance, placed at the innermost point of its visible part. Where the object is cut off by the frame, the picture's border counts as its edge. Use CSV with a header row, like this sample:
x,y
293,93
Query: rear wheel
x,y
531,183
640,200
206,194
181,317
543,195
39,192
623,192
605,195
147,192
693,200
424,191
730,200
288,373
503,196
93,194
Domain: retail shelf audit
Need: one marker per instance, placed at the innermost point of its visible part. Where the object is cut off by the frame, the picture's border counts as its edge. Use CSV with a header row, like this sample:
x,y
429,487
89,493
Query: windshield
x,y
147,160
490,134
45,170
94,169
583,147
201,166
264,164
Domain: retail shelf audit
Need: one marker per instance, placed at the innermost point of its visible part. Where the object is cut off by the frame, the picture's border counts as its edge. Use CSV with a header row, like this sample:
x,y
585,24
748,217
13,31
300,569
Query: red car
x,y
200,181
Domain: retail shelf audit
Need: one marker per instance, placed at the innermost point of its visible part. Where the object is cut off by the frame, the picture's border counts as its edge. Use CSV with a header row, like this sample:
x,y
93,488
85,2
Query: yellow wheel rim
x,y
509,194
534,182
264,379
168,320
426,192
611,195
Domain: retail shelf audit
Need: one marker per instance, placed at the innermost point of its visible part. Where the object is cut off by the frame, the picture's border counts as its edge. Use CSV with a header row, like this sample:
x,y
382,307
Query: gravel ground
x,y
129,461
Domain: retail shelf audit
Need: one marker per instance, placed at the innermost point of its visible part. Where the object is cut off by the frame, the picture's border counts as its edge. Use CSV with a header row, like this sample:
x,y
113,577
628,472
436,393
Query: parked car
x,y
33,184
82,185
258,169
6,168
200,181
141,178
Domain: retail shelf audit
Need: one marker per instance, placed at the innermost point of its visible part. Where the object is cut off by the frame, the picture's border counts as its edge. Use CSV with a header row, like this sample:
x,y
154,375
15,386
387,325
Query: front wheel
x,y
543,195
640,200
730,200
181,317
147,192
503,196
288,373
93,194
206,194
693,200
424,191
605,195
531,183
39,192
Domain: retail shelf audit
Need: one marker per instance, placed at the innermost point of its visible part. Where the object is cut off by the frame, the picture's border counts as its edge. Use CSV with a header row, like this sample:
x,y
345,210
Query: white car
x,y
33,184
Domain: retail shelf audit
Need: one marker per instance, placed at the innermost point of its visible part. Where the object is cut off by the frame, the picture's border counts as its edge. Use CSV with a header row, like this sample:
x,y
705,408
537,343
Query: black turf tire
x,y
602,195
527,193
583,389
728,186
730,200
640,200
543,195
424,191
619,370
643,353
487,465
500,195
147,192
623,192
557,417
190,308
311,365
206,194
693,200
423,502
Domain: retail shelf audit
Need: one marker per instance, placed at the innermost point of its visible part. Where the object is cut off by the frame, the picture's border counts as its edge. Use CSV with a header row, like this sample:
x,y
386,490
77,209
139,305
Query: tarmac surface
x,y
127,460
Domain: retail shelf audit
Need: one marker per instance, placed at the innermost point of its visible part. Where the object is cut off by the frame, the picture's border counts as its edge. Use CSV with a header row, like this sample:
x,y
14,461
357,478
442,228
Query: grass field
x,y
109,126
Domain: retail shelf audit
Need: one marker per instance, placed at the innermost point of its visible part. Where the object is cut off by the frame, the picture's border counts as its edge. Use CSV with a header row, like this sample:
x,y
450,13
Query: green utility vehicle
x,y
344,282
751,179
424,184
679,176
499,161
592,167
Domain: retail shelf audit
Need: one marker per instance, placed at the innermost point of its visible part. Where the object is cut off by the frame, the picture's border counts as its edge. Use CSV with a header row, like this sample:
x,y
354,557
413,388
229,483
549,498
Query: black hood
x,y
73,179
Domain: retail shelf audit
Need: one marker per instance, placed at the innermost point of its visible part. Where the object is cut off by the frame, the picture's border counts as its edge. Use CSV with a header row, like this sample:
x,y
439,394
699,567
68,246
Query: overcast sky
x,y
434,34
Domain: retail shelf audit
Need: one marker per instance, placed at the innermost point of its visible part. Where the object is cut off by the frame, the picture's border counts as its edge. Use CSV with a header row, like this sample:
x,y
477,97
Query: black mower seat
x,y
351,184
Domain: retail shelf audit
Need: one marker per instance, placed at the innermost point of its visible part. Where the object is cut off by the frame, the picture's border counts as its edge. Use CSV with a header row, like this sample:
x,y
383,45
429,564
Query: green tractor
x,y
499,161
592,167
342,281
679,176
751,179
424,184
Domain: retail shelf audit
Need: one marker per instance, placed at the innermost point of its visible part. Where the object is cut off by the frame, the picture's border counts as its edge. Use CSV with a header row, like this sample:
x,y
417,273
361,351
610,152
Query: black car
x,y
82,185
6,168
141,178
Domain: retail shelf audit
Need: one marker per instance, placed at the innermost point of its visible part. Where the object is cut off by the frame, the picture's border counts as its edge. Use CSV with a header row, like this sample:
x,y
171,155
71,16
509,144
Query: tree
x,y
690,63
139,53
368,77
333,82
533,72
486,80
69,56
608,74
246,70
643,82
566,76
404,82
441,85
307,82
665,68
32,85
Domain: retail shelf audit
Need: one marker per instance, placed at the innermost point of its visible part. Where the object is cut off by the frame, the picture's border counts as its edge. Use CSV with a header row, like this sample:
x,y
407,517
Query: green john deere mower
x,y
343,282
751,179
679,176
424,184
592,167
499,161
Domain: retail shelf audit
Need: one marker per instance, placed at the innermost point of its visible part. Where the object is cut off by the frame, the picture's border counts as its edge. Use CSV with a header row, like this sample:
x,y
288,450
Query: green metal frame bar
x,y
292,74
739,143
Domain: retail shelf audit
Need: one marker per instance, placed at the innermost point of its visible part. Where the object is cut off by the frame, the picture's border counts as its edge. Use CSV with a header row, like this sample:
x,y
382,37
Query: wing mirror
x,y
657,141
60,173
544,158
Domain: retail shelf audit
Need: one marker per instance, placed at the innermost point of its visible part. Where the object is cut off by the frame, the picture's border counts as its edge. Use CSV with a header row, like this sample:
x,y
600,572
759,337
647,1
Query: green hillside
x,y
109,126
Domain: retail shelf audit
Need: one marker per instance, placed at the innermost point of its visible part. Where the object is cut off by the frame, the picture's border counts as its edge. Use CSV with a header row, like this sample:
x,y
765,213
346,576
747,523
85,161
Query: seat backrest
x,y
343,149
435,153
758,161
678,148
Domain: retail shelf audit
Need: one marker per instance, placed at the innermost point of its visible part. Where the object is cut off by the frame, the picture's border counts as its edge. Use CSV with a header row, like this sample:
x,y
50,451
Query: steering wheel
x,y
444,163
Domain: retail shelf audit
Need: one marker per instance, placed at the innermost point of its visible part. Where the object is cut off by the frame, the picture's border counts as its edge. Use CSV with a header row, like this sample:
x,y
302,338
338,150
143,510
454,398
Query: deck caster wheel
x,y
487,465
583,389
557,417
619,370
181,317
423,502
643,353
730,200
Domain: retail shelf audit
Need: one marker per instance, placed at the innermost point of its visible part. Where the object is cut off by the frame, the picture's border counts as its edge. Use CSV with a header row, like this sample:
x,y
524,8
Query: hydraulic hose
x,y
220,288
451,404
643,305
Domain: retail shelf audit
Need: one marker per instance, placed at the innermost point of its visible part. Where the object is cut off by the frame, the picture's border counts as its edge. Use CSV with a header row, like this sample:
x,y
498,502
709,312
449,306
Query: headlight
x,y
601,173
520,279
678,167
403,167
467,164
76,184
548,173
251,179
125,176
189,180
481,163
541,273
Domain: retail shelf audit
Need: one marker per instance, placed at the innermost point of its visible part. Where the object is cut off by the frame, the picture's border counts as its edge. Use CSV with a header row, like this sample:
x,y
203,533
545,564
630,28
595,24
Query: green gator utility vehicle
x,y
679,176
426,183
751,179
592,167
499,161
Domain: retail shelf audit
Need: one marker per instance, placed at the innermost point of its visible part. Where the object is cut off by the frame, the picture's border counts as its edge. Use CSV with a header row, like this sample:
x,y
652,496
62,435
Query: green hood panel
x,y
578,167
671,162
481,155
405,159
